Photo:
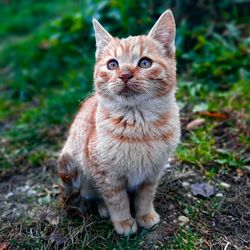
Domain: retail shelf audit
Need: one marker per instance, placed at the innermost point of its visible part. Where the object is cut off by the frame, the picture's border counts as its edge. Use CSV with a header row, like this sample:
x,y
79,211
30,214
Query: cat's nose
x,y
125,76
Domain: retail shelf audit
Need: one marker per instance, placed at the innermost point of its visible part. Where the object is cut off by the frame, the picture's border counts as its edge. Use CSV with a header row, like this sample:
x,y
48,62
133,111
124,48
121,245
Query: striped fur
x,y
120,142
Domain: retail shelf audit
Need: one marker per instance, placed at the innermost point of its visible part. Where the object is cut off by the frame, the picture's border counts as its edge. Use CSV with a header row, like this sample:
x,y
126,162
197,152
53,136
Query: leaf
x,y
221,161
3,246
202,189
44,200
217,115
195,123
53,219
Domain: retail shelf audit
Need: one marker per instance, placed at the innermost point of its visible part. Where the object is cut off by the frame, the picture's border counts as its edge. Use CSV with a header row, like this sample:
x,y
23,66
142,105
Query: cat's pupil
x,y
112,64
145,62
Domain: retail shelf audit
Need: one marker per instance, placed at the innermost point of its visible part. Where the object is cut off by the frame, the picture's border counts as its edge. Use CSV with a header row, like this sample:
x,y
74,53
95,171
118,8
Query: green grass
x,y
35,15
202,146
186,239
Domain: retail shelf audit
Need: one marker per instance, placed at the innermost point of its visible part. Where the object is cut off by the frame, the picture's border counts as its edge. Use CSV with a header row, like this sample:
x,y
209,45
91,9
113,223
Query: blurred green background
x,y
47,57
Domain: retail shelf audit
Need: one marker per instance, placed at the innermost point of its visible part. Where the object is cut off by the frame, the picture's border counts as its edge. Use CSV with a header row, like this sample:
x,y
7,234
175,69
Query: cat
x,y
125,133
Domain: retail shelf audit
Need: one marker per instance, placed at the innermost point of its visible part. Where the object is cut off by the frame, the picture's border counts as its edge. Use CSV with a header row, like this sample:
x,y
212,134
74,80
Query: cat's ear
x,y
164,30
102,36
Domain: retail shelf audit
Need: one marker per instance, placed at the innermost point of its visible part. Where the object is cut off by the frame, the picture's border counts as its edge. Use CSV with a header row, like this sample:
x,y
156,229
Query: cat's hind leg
x,y
70,185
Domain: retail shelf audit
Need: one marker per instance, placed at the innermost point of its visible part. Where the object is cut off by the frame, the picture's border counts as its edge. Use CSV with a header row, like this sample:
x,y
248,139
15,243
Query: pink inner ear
x,y
102,36
164,29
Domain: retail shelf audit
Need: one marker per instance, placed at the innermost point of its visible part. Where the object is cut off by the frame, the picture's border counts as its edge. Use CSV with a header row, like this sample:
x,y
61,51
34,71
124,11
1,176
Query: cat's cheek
x,y
105,76
164,89
153,73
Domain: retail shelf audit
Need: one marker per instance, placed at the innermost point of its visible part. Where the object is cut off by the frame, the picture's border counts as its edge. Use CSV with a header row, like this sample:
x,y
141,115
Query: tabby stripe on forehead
x,y
127,48
141,41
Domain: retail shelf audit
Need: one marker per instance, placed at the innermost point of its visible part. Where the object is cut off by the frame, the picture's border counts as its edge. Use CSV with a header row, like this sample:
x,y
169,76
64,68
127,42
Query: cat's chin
x,y
128,93
131,99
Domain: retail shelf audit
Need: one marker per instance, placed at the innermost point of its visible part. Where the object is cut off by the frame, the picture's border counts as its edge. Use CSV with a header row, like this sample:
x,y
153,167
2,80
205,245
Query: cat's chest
x,y
133,155
133,146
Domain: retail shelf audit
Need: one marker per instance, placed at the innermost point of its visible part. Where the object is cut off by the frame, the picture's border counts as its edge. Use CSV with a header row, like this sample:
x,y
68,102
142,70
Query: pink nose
x,y
125,76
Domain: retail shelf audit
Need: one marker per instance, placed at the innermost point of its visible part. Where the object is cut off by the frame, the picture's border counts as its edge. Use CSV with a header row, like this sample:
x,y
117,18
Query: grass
x,y
46,63
35,15
187,240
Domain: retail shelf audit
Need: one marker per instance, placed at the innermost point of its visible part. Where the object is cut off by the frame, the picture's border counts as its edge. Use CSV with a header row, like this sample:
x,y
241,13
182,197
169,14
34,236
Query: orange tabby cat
x,y
124,135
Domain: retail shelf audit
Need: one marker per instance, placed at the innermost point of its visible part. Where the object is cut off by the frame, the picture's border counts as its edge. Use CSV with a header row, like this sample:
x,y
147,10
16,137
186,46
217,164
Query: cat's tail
x,y
70,185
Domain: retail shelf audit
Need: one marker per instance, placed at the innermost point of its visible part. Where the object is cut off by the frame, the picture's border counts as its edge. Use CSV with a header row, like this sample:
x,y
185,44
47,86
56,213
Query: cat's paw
x,y
125,227
103,210
148,220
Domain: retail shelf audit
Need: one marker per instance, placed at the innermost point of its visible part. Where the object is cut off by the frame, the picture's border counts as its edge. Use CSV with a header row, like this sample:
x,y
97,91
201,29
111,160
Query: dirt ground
x,y
31,215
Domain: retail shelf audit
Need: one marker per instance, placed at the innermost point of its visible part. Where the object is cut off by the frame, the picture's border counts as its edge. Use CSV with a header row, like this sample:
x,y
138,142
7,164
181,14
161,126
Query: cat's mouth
x,y
129,90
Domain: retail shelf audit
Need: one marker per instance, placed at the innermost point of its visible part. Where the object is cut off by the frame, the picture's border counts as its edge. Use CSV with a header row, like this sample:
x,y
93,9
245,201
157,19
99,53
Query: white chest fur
x,y
136,160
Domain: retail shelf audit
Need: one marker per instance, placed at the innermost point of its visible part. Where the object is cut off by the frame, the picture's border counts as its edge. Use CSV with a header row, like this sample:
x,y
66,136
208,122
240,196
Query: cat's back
x,y
82,127
85,118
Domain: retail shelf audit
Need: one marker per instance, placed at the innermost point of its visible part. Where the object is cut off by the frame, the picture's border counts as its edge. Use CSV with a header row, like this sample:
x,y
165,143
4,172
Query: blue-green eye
x,y
112,64
145,62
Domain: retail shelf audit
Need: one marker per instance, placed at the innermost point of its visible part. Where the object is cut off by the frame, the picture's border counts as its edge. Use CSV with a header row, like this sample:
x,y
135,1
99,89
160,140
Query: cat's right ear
x,y
102,37
164,30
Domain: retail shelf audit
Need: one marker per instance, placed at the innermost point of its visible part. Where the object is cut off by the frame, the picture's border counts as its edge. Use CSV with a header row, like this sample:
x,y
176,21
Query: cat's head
x,y
137,68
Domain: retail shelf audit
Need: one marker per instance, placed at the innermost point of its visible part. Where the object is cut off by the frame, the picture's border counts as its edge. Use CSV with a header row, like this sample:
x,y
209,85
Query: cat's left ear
x,y
164,30
102,37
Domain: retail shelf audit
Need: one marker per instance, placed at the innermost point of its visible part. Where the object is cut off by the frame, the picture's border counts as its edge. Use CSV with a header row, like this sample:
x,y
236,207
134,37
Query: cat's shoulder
x,y
89,103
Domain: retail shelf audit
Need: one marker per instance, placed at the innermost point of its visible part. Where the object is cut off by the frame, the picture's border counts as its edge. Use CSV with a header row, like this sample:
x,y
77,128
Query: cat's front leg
x,y
117,201
146,215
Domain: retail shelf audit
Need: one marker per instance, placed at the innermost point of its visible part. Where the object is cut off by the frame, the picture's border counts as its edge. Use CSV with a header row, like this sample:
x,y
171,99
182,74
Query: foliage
x,y
47,73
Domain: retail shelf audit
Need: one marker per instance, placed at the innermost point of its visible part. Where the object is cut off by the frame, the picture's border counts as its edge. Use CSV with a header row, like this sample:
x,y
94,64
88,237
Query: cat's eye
x,y
112,64
145,62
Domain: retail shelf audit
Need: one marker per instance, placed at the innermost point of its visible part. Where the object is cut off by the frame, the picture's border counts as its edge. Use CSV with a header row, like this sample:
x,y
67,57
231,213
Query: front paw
x,y
125,227
148,220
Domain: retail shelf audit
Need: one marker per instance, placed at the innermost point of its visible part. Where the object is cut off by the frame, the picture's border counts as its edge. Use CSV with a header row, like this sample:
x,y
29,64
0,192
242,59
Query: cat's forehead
x,y
132,48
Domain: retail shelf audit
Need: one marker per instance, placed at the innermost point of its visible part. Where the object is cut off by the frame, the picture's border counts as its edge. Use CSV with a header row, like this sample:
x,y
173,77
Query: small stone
x,y
219,195
225,185
186,211
195,123
183,219
185,184
189,195
171,207
9,195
